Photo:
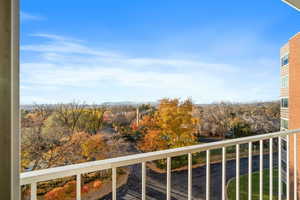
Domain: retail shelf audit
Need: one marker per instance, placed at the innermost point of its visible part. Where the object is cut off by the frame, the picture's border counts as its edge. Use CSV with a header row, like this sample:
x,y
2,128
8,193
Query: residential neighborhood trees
x,y
64,134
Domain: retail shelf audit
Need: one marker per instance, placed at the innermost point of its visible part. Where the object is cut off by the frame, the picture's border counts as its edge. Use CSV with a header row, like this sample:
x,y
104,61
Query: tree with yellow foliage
x,y
94,148
172,125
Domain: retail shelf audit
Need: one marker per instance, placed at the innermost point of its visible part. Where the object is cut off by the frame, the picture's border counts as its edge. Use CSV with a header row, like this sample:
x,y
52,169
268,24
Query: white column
x,y
295,166
250,172
261,167
208,175
237,172
144,175
78,187
288,167
114,183
224,173
9,98
33,191
169,178
279,169
271,169
190,176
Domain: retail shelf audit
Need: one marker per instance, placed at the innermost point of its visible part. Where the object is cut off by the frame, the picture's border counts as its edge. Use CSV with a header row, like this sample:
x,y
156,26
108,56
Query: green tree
x,y
240,128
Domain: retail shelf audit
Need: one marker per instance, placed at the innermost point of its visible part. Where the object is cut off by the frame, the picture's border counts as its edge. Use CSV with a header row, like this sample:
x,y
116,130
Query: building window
x,y
284,146
284,82
284,123
285,60
284,102
283,165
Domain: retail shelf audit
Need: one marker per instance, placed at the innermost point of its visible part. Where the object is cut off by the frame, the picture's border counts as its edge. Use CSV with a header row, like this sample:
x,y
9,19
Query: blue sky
x,y
143,50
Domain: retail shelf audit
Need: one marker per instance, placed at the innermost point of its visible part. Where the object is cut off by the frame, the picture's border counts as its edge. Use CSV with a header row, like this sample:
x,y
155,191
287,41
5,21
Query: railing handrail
x,y
87,167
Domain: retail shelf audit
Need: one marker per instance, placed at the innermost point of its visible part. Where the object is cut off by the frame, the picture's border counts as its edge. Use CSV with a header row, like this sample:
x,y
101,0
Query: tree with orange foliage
x,y
153,141
172,125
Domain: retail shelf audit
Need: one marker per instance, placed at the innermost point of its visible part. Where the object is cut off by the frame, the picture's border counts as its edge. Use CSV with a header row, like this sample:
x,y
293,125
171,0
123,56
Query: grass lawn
x,y
255,186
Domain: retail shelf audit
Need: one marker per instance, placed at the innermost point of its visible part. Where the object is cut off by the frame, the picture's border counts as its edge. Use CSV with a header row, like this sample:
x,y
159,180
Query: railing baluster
x,y
190,176
114,183
250,172
207,174
144,181
295,166
223,173
279,169
32,178
78,187
33,191
237,172
288,167
261,162
271,169
169,178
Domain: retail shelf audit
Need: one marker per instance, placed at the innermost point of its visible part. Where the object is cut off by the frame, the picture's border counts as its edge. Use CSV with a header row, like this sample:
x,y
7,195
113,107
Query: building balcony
x,y
259,156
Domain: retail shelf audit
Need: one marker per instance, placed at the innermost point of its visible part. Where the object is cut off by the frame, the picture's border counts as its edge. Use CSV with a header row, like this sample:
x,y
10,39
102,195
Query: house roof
x,y
294,3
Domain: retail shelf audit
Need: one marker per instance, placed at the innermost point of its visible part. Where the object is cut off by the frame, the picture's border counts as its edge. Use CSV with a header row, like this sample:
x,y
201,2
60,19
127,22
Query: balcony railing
x,y
32,178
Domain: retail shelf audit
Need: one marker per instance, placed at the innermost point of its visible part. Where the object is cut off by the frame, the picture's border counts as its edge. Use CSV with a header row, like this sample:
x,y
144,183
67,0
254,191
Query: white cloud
x,y
66,68
30,17
63,45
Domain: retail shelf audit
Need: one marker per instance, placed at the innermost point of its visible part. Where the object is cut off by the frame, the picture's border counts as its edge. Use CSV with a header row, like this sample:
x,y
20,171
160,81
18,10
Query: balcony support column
x,y
9,100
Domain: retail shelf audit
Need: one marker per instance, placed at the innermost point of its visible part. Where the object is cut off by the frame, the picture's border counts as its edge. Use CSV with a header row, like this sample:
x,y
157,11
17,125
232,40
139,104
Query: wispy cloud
x,y
54,37
25,16
63,69
64,46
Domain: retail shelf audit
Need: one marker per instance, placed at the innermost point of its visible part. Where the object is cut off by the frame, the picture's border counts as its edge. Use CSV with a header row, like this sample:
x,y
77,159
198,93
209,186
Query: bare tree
x,y
91,120
33,142
69,114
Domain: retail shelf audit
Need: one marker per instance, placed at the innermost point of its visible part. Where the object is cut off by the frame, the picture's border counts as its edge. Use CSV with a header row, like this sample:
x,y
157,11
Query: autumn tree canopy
x,y
171,126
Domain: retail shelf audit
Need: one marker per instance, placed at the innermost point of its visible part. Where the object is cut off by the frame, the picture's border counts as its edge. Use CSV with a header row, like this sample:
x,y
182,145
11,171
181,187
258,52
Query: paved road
x,y
156,182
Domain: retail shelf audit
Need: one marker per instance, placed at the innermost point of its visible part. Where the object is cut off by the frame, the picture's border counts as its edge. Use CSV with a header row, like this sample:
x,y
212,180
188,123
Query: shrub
x,y
97,184
56,194
68,191
85,189
70,187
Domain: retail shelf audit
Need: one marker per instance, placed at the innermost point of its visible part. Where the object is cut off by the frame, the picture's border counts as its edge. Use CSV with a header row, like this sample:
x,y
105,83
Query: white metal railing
x,y
32,178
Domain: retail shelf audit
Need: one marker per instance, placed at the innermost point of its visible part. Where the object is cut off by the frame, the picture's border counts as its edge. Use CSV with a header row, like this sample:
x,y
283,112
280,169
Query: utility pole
x,y
137,115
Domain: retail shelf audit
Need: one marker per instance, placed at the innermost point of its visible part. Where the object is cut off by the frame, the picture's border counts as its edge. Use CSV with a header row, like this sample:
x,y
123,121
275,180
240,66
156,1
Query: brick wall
x,y
294,99
294,82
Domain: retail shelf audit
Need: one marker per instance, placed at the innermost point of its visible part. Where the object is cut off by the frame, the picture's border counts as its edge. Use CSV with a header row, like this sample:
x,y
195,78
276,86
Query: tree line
x,y
63,134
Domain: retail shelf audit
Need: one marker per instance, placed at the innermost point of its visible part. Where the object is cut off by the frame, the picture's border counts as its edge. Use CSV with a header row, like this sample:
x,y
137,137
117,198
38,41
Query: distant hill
x,y
127,103
117,103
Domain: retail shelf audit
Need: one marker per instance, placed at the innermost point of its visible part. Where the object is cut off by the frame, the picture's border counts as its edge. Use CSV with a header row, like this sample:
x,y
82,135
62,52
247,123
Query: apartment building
x,y
290,83
289,100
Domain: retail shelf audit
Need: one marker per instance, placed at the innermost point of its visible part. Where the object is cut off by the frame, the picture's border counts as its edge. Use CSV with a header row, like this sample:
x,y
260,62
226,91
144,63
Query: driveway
x,y
156,183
